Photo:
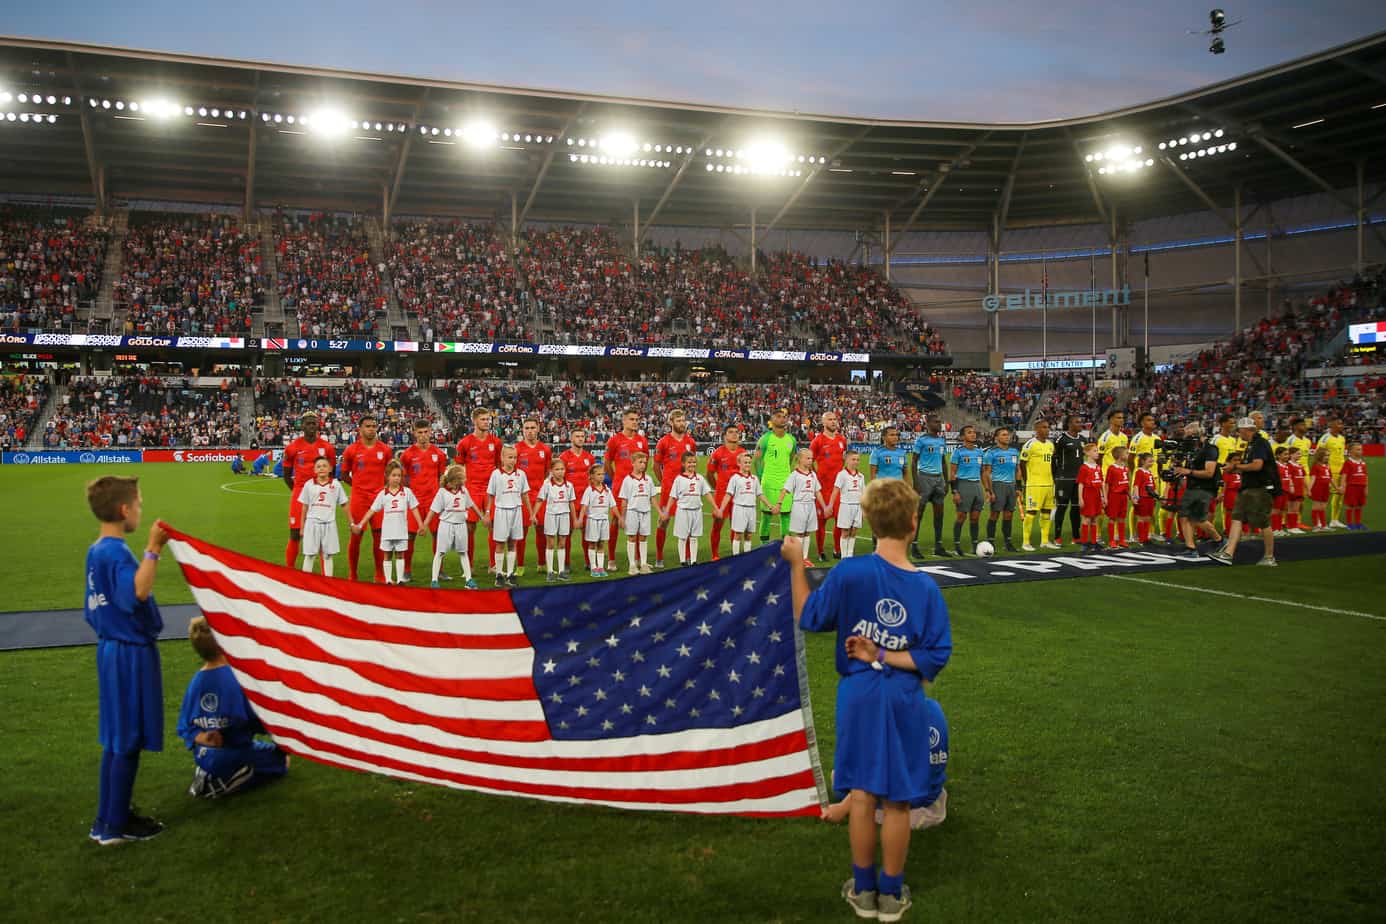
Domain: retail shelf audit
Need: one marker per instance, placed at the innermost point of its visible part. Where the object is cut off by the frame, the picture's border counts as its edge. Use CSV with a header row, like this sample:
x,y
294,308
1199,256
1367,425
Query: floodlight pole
x,y
1115,245
1270,268
250,173
994,260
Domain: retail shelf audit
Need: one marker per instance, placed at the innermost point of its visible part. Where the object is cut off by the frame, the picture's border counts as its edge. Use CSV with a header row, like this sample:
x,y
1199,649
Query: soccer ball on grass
x,y
985,549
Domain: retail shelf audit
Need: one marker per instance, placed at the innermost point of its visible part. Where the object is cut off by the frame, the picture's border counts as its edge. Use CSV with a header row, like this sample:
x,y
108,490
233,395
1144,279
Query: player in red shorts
x,y
578,462
479,451
1295,487
1090,498
299,458
1231,487
424,464
828,448
669,453
1354,478
534,458
1321,489
1281,503
721,466
1117,483
1145,496
620,449
363,467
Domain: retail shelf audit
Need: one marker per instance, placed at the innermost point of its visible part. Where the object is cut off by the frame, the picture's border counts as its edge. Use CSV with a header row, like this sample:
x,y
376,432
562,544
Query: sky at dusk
x,y
979,61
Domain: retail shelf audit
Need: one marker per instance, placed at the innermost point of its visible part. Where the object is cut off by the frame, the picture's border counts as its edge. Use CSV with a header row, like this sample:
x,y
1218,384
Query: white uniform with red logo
x,y
394,530
557,499
636,492
509,490
452,507
688,514
320,503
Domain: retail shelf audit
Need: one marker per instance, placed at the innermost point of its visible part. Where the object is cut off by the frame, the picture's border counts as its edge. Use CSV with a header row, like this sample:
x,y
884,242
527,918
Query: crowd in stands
x,y
281,403
50,261
144,411
21,401
327,278
189,274
459,281
998,400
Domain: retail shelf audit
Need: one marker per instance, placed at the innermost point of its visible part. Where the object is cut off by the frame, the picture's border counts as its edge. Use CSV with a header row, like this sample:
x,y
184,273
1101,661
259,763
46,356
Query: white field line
x,y
238,487
1225,593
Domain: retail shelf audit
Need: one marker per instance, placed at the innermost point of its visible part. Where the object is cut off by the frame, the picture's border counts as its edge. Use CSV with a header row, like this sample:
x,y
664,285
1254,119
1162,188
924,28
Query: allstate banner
x,y
73,457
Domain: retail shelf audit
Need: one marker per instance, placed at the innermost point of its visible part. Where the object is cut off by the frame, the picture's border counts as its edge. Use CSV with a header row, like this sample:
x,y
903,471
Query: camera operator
x,y
1198,465
1253,507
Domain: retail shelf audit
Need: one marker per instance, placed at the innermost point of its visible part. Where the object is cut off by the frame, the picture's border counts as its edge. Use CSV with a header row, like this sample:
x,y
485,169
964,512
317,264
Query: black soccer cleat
x,y
914,550
941,552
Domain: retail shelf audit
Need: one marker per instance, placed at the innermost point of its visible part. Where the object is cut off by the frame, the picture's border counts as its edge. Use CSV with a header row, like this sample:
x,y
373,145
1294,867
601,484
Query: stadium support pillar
x,y
1270,269
886,248
994,279
514,221
98,187
250,175
753,240
635,228
1360,262
1237,258
1113,234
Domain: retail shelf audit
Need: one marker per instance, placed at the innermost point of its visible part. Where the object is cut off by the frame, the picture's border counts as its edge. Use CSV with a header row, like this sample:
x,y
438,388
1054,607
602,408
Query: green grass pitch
x,y
1120,751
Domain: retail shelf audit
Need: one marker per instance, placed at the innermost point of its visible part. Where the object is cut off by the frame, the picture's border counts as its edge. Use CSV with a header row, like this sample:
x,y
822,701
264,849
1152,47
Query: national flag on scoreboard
x,y
678,692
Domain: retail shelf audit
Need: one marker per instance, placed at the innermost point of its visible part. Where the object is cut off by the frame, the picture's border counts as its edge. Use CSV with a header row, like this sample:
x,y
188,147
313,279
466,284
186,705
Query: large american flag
x,y
681,691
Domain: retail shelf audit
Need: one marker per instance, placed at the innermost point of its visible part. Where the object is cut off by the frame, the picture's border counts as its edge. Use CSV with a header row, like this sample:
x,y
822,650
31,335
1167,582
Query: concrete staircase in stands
x,y
271,322
55,401
395,319
102,310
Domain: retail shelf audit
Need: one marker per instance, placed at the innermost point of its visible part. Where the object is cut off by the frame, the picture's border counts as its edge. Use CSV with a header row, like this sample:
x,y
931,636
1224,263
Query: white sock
x,y
736,546
592,560
692,550
399,570
630,554
849,546
327,565
466,561
550,554
683,550
308,563
562,558
601,558
437,565
642,550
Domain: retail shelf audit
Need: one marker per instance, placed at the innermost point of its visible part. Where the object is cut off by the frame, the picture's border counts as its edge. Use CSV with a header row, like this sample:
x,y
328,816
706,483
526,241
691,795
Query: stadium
x,y
199,256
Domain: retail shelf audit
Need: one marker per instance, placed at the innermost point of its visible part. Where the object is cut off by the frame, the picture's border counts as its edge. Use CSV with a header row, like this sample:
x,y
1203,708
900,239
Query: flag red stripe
x,y
734,792
489,729
336,623
791,743
410,598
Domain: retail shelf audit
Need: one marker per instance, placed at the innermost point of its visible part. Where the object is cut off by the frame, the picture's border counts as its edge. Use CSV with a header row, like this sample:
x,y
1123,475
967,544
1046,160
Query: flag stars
x,y
690,683
612,641
775,636
549,666
584,607
664,671
659,637
563,725
779,670
726,606
582,711
637,656
751,620
703,628
572,647
737,710
684,651
657,598
758,692
565,622
701,593
714,695
772,599
733,676
748,584
557,698
618,676
649,720
694,713
753,657
680,616
709,664
644,690
537,611
607,725
574,680
626,709
729,642
593,662
635,622
669,703
600,694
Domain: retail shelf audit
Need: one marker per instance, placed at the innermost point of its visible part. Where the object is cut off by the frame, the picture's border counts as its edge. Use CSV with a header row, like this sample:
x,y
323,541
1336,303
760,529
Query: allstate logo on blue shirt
x,y
209,702
890,613
934,737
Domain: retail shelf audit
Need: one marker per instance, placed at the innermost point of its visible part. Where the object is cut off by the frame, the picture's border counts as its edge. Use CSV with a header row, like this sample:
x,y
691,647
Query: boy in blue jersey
x,y
892,629
218,726
238,466
998,482
120,606
965,476
931,809
929,453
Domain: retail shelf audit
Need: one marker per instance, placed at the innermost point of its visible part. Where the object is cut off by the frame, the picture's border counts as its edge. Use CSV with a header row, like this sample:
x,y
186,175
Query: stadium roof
x,y
1306,126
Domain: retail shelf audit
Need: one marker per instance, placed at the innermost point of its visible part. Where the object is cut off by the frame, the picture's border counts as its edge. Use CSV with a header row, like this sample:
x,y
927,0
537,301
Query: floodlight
x,y
1163,145
1217,134
330,123
52,119
161,108
1217,47
766,156
105,104
52,100
479,133
5,97
619,145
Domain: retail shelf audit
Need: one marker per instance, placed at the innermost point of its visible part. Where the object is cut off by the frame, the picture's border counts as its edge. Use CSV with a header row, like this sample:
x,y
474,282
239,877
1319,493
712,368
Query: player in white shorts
x,y
744,495
398,508
594,519
634,509
802,485
320,499
507,501
686,497
846,499
449,508
557,497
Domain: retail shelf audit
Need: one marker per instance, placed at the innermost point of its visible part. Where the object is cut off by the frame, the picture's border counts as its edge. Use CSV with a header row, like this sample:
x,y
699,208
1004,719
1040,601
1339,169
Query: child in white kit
x,y
320,499
686,496
846,499
449,508
634,508
399,508
802,485
744,493
507,496
557,497
594,519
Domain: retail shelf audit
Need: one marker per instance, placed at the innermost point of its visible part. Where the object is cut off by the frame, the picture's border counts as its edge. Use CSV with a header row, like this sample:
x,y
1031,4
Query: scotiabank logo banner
x,y
201,455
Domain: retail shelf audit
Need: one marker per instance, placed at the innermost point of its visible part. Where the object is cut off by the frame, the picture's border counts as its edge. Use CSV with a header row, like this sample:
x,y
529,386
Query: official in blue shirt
x,y
998,481
888,459
218,725
120,607
892,630
930,451
965,474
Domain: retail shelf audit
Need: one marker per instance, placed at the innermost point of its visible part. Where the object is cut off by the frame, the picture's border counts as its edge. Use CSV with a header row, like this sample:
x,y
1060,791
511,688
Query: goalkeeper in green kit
x,y
774,458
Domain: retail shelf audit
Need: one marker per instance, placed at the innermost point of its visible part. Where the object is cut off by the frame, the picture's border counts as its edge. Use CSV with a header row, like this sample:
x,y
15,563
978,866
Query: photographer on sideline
x,y
1253,507
1198,463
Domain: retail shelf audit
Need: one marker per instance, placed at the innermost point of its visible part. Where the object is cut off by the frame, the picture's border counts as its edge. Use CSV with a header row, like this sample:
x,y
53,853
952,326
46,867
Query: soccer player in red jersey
x,y
534,458
1354,479
669,453
828,448
721,466
363,467
424,464
620,450
299,458
578,462
480,452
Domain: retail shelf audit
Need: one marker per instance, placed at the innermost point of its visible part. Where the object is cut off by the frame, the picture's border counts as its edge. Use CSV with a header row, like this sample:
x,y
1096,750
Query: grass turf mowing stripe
x,y
1224,593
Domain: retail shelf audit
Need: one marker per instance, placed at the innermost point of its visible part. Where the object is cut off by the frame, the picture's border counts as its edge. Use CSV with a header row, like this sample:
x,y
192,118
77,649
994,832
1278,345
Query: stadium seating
x,y
142,411
189,274
998,400
326,276
21,401
281,403
50,261
458,280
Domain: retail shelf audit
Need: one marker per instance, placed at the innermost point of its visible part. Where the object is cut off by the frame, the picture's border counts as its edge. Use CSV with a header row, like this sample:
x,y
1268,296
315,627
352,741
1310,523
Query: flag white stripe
x,y
461,621
341,678
442,663
786,802
672,780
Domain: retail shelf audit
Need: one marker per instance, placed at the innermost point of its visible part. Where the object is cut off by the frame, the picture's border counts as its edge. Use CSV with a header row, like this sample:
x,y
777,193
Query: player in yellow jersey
x,y
1336,444
1111,438
1036,473
1299,439
1145,440
1226,440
